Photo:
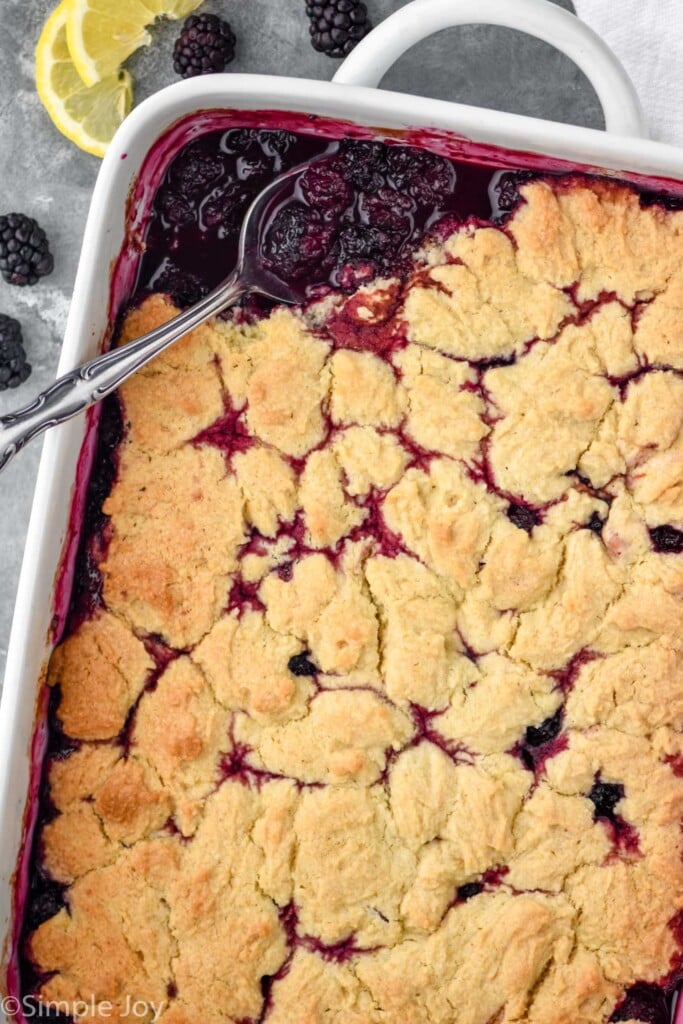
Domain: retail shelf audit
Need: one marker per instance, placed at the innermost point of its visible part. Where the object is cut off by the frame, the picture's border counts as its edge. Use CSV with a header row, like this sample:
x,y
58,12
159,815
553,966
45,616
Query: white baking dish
x,y
624,152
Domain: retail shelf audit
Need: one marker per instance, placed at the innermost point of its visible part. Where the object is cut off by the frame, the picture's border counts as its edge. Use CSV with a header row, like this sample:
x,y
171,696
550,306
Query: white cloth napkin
x,y
647,37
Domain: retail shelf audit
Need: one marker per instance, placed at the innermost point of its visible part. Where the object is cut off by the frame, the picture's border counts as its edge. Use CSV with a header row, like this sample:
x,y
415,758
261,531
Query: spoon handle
x,y
94,380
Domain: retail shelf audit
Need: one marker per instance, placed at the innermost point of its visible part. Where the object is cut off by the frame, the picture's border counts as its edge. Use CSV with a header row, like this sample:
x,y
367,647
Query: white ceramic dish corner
x,y
351,97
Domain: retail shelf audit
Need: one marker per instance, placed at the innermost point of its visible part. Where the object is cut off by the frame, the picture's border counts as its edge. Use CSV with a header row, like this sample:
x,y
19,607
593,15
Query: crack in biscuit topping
x,y
379,716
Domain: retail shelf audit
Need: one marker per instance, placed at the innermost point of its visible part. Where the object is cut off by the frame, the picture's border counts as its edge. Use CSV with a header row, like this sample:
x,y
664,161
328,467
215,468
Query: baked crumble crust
x,y
381,718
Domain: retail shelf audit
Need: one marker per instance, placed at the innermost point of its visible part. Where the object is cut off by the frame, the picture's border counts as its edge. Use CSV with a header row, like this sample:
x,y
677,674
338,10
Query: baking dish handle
x,y
375,54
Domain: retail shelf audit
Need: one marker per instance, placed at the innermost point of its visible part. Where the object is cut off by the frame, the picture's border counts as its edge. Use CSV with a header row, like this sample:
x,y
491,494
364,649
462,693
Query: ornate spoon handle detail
x,y
93,381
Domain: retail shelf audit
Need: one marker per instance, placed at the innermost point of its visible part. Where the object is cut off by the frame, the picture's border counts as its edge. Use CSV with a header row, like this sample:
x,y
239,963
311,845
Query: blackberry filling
x,y
546,732
643,1002
490,879
360,213
300,665
541,741
277,143
435,178
365,164
176,209
595,523
467,891
523,517
297,241
667,540
46,1011
225,207
667,202
507,189
45,899
388,209
256,168
104,470
184,287
194,170
605,796
324,187
265,984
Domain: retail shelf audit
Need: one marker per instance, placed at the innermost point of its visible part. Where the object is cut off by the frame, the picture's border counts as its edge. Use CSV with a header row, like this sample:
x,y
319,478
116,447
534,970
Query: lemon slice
x,y
87,116
103,33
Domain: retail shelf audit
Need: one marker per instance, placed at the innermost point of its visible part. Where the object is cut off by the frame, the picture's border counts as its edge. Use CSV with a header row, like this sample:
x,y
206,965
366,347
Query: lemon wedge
x,y
87,116
103,33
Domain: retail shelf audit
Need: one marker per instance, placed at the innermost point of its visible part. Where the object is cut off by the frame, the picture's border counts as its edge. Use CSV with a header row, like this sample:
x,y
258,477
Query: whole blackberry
x,y
205,45
24,250
14,369
337,25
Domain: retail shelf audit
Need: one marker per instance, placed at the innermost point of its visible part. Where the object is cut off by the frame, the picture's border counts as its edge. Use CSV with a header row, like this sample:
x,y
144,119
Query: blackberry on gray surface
x,y
24,250
14,369
205,45
337,25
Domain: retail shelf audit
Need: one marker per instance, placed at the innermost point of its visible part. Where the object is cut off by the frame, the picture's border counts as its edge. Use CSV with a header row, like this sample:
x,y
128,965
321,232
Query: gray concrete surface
x,y
44,175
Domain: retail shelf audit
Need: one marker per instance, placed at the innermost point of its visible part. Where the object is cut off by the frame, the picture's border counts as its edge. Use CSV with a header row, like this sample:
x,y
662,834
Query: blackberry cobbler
x,y
370,706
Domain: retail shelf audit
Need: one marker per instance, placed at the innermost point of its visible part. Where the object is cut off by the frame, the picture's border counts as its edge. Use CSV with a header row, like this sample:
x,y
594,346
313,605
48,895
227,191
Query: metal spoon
x,y
94,380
